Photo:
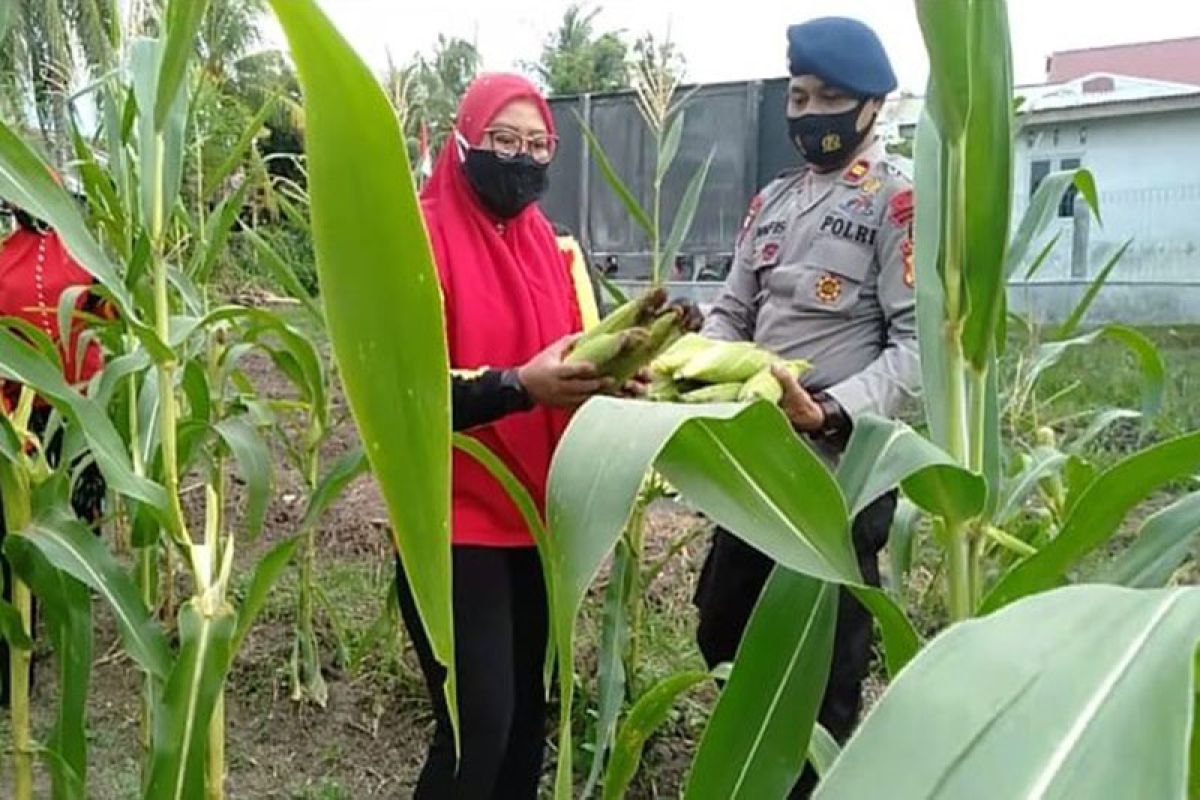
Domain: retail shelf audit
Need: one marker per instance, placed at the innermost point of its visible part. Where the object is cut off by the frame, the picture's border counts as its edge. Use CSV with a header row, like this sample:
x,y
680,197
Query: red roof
x,y
1176,60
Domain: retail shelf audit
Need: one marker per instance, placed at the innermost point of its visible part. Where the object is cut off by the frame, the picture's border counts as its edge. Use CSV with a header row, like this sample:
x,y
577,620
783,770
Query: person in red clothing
x,y
512,311
35,270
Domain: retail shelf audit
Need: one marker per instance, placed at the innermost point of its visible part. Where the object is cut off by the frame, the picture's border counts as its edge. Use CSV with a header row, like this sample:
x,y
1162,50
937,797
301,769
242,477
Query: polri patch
x,y
849,229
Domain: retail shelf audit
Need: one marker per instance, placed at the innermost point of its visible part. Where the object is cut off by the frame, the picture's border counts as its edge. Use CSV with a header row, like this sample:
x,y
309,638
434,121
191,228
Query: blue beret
x,y
842,52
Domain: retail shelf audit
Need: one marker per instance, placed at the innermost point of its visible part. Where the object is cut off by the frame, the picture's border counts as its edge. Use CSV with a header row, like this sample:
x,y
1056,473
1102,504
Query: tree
x,y
575,59
426,91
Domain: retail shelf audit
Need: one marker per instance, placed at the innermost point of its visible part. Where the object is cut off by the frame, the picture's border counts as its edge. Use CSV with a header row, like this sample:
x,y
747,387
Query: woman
x,y
35,270
511,312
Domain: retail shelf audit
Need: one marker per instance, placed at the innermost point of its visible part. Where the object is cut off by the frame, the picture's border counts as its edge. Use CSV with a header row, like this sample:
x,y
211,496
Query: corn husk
x,y
672,359
634,313
666,328
602,350
718,393
725,362
663,390
765,386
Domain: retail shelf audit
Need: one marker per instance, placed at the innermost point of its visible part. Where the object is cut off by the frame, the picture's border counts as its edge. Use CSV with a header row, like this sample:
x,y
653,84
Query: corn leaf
x,y
684,215
20,362
160,146
266,574
254,463
344,471
988,156
884,454
1043,210
1071,325
1046,461
1096,516
946,28
1040,259
70,546
623,192
283,273
26,180
756,743
181,718
237,154
1164,542
647,715
1098,426
1053,697
66,607
183,23
670,147
12,628
216,235
929,258
610,671
385,324
1150,360
738,465
901,544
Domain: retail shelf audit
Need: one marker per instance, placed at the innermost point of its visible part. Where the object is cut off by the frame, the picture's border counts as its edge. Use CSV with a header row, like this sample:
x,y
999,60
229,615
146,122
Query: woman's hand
x,y
552,382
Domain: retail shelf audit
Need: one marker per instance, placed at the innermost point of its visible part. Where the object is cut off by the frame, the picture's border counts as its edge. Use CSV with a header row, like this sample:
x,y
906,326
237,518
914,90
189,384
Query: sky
x,y
744,39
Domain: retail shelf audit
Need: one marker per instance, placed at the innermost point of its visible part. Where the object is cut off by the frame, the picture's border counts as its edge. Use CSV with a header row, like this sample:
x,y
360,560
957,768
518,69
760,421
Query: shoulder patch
x,y
900,208
751,214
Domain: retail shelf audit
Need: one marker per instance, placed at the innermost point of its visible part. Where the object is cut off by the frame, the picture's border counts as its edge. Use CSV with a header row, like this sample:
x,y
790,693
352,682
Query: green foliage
x,y
576,58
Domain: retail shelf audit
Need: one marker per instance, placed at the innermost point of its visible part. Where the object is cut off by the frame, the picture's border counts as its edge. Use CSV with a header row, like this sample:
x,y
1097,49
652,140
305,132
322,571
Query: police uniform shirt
x,y
823,271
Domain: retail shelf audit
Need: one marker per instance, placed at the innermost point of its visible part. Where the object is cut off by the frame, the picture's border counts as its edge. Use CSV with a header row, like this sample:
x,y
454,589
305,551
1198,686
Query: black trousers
x,y
732,580
500,628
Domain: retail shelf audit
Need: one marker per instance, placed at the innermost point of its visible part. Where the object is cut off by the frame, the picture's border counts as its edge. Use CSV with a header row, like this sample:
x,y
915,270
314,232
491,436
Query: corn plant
x,y
1035,687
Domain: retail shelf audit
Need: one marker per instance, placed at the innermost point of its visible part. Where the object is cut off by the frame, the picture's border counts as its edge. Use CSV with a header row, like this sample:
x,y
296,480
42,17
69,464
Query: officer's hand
x,y
804,412
551,382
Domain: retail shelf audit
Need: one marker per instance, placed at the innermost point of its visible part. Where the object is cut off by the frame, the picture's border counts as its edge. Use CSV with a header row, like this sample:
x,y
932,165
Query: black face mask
x,y
827,140
505,186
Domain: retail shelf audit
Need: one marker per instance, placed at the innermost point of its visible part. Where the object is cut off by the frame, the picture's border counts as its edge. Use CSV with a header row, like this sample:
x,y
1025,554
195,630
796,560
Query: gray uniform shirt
x,y
823,271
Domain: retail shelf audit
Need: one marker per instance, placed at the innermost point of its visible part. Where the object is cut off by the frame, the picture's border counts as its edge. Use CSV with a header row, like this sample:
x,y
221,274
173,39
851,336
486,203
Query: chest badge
x,y
829,288
770,253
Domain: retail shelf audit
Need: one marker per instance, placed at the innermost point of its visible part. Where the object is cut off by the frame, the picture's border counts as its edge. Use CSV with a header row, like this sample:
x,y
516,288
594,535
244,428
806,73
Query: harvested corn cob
x,y
674,357
765,386
717,393
638,311
725,362
602,350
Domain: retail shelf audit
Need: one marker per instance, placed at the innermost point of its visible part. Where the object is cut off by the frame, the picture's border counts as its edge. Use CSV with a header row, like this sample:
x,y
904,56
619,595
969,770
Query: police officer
x,y
823,271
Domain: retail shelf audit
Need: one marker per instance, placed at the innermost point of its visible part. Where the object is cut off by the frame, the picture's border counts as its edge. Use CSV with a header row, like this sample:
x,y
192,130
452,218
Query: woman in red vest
x,y
35,270
512,310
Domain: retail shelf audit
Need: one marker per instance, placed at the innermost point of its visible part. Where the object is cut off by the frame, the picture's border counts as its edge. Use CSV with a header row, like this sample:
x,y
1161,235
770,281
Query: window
x,y
1041,168
1038,171
1066,208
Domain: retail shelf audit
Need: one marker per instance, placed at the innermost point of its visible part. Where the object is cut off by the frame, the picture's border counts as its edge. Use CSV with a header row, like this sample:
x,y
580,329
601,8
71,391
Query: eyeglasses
x,y
507,143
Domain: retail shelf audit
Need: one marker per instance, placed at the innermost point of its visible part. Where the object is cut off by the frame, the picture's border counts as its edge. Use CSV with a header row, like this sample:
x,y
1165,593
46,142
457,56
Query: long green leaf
x,y
219,227
1163,544
284,274
936,371
684,214
67,610
344,471
756,743
253,459
823,750
901,544
1035,266
1096,516
947,31
237,154
739,465
70,546
160,146
27,181
1098,425
988,159
647,715
885,453
1151,363
266,574
623,193
670,147
183,23
181,719
20,362
1052,698
1071,325
1043,210
386,325
610,672
12,628
1046,461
